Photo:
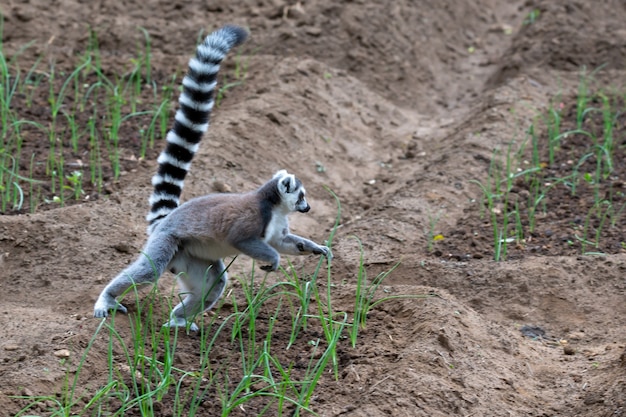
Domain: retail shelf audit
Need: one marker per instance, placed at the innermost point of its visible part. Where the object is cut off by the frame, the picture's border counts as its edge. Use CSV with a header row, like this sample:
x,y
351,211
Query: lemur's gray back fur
x,y
191,121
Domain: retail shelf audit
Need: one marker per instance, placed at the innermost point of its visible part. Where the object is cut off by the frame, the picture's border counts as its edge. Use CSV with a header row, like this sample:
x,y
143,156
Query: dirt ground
x,y
402,103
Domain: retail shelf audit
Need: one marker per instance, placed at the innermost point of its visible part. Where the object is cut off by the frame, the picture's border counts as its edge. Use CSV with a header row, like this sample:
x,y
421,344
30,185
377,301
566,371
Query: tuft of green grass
x,y
581,136
532,17
496,197
87,118
265,348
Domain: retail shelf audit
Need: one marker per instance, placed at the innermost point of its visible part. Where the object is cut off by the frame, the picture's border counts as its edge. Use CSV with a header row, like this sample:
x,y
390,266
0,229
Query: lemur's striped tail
x,y
191,121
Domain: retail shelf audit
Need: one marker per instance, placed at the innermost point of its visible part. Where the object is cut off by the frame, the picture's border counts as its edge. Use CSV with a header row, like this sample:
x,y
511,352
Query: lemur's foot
x,y
106,304
181,322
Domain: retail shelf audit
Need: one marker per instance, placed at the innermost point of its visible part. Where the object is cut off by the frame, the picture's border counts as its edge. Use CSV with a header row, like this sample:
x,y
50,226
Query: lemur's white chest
x,y
276,229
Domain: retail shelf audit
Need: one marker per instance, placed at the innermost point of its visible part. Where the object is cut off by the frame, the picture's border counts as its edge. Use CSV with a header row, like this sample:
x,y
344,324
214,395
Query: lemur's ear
x,y
287,184
280,173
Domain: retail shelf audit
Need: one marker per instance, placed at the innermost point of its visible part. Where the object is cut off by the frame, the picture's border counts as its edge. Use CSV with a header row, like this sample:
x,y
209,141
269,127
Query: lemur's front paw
x,y
104,305
324,250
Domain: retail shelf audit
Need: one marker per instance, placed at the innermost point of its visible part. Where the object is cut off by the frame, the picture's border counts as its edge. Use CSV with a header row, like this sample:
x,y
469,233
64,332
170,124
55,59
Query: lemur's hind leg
x,y
150,265
202,283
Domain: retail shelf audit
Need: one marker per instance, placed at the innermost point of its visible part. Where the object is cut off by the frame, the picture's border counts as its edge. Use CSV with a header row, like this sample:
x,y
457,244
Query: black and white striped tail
x,y
191,121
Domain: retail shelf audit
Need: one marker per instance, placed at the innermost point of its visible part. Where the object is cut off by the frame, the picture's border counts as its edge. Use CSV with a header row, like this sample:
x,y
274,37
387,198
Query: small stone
x,y
62,353
221,187
313,31
123,247
568,350
576,336
11,348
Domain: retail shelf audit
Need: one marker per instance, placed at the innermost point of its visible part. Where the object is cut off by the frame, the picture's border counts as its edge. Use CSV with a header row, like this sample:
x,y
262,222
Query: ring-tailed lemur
x,y
192,239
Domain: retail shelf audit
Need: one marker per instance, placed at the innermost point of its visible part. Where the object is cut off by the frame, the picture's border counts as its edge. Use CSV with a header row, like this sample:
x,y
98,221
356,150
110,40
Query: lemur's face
x,y
301,204
292,192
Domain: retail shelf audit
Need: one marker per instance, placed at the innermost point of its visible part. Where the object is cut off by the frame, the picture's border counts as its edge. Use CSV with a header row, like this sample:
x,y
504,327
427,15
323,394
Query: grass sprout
x,y
247,359
87,117
573,149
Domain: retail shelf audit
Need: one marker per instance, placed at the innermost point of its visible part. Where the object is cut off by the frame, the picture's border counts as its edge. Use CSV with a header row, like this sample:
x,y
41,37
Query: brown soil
x,y
402,106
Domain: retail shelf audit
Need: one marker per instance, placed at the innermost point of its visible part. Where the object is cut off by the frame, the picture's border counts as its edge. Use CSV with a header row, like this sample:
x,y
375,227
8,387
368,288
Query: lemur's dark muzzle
x,y
304,210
